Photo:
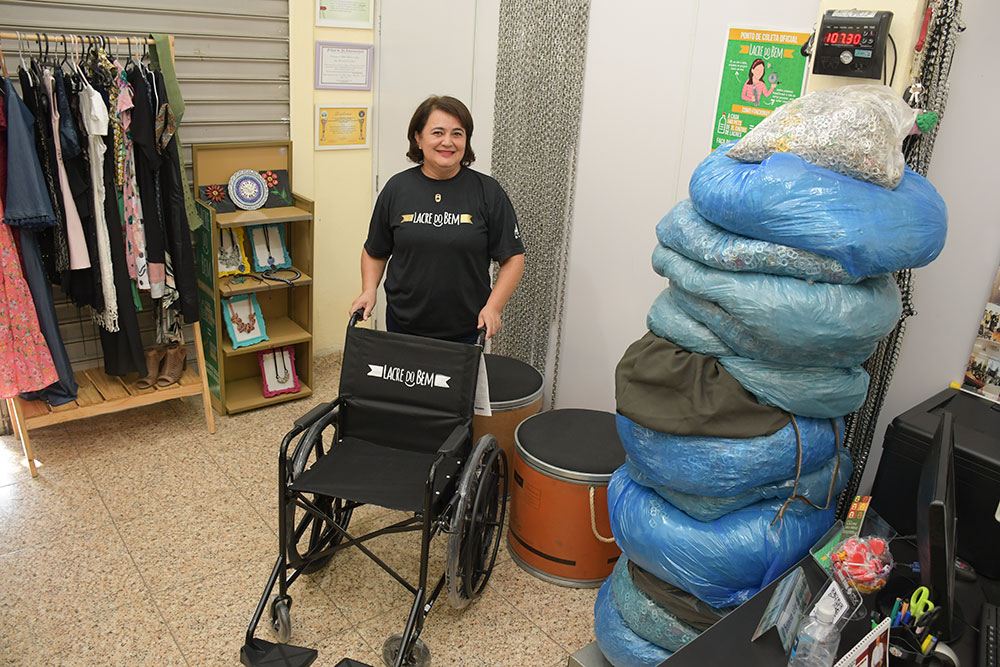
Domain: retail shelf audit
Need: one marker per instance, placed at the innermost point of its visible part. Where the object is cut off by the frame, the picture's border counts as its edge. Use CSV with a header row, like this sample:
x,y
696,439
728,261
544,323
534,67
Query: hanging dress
x,y
25,360
147,170
85,284
94,112
123,351
28,207
135,237
51,241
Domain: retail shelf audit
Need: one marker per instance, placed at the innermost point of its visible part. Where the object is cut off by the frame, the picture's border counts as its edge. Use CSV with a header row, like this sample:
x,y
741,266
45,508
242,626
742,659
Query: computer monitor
x,y
936,526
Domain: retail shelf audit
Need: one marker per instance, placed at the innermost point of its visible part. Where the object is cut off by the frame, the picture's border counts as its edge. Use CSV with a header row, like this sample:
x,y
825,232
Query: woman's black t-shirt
x,y
441,235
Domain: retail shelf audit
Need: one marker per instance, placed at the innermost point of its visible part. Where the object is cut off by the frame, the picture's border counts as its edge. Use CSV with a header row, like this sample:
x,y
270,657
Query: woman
x,y
754,88
441,223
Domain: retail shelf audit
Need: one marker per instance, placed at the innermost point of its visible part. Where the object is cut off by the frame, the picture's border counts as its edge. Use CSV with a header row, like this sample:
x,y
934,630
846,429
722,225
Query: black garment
x,y
52,242
175,223
147,165
686,607
83,287
664,387
123,351
441,235
392,325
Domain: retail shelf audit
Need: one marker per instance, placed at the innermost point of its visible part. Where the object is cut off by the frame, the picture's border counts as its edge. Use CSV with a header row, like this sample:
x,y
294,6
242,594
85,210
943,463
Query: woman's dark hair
x,y
450,106
750,71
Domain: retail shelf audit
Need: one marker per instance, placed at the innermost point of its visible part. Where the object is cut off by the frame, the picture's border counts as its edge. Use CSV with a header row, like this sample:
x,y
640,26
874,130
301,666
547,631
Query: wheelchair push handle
x,y
481,338
356,317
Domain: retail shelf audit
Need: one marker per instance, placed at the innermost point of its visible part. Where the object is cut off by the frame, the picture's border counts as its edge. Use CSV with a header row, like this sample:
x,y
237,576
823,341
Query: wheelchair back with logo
x,y
398,436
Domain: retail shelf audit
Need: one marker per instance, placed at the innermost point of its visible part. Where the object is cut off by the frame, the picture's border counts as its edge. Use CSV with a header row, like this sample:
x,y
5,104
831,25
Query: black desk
x,y
729,639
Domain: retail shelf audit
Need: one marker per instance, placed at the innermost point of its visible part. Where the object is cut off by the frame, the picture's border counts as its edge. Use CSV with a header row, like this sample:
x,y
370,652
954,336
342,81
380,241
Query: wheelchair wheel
x,y
281,620
477,522
420,655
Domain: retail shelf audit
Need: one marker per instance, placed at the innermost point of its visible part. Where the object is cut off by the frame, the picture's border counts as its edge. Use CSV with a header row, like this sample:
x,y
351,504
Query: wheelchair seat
x,y
362,471
399,435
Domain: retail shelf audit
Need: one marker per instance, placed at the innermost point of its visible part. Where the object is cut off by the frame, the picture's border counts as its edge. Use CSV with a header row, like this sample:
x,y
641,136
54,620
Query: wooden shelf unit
x,y
234,376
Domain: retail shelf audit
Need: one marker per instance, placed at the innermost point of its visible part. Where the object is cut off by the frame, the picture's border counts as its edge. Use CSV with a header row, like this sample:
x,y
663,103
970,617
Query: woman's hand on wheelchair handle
x,y
366,301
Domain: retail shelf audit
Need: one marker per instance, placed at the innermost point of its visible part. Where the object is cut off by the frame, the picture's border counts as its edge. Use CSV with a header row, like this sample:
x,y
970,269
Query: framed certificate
x,y
343,66
345,13
340,126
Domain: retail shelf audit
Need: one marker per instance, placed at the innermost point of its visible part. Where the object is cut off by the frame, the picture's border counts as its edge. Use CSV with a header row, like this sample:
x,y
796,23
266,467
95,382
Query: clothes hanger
x,y
20,55
3,62
65,43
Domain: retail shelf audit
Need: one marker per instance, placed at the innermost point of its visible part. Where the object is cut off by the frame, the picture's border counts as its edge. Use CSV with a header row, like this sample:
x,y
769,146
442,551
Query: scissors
x,y
920,602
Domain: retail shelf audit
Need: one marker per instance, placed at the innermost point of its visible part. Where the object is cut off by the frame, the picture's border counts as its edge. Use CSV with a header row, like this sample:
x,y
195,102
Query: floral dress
x,y
25,360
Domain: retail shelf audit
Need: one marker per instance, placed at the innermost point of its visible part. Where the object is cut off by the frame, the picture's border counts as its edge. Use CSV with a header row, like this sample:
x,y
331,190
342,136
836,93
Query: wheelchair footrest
x,y
347,662
262,653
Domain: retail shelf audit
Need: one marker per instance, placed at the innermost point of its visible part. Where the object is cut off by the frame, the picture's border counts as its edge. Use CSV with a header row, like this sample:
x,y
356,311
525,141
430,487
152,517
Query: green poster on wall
x,y
762,70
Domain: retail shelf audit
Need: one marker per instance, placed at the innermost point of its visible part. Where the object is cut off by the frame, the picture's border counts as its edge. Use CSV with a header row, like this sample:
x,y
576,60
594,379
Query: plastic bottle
x,y
816,643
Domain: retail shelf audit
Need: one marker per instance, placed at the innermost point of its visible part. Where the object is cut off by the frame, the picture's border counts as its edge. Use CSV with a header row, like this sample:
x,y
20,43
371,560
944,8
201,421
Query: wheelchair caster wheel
x,y
420,655
281,620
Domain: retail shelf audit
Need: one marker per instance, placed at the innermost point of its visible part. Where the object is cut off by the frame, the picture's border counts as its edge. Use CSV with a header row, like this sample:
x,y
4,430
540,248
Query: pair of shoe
x,y
164,365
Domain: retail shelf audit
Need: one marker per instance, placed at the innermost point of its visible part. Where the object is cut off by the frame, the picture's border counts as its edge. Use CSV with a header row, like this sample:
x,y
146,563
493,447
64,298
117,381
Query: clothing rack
x,y
100,393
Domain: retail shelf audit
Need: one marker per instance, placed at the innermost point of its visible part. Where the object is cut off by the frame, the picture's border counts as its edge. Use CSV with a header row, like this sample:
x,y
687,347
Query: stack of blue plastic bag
x,y
779,278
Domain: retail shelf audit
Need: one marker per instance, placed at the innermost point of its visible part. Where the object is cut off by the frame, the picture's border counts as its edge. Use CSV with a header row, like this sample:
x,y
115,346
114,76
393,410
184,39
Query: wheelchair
x,y
399,436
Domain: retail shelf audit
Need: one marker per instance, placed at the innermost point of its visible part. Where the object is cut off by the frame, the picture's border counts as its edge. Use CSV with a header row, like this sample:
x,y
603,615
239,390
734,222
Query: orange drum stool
x,y
515,395
561,458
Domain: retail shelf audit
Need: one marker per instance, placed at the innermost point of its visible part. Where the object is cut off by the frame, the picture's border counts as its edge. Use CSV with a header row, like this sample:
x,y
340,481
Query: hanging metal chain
x,y
931,79
539,95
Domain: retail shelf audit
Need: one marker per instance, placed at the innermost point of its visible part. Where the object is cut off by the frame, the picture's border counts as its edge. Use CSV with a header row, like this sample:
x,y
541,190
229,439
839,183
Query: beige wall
x,y
340,182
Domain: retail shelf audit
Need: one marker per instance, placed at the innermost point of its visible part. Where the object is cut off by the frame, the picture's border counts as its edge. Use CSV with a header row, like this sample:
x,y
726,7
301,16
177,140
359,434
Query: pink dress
x,y
25,360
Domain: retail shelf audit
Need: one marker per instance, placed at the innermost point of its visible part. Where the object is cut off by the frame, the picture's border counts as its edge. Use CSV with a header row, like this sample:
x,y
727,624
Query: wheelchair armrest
x,y
309,418
317,422
453,442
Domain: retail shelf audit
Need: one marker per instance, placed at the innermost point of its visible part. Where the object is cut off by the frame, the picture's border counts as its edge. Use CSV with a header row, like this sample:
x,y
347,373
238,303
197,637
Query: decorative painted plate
x,y
247,189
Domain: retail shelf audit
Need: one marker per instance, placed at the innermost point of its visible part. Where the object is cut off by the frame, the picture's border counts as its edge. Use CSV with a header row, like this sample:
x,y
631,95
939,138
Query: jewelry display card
x,y
277,371
267,243
244,321
232,260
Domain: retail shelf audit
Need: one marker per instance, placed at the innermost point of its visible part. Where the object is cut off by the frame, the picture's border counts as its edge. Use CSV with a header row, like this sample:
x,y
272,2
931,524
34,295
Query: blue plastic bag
x,y
782,319
644,616
810,391
621,646
723,467
668,320
870,230
683,229
815,486
722,562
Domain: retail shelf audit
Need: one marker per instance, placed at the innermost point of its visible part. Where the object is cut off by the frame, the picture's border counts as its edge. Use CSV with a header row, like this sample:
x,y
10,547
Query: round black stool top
x,y
512,383
571,443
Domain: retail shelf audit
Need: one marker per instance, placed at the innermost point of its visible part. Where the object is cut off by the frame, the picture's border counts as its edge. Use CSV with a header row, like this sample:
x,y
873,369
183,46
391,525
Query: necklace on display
x,y
231,256
281,377
267,244
238,323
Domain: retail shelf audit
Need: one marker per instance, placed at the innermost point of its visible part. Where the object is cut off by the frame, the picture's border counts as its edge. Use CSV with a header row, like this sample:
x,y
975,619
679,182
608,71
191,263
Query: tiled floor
x,y
146,541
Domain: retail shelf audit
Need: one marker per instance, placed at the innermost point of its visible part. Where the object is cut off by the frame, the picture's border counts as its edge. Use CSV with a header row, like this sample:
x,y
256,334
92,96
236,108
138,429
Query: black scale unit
x,y
852,42
977,473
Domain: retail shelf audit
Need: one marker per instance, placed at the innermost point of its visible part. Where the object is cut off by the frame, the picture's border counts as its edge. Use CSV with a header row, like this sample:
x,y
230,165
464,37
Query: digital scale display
x,y
852,43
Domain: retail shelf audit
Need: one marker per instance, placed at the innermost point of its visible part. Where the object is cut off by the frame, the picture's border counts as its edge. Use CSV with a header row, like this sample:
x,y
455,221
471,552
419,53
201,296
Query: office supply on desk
x,y
988,636
920,601
874,645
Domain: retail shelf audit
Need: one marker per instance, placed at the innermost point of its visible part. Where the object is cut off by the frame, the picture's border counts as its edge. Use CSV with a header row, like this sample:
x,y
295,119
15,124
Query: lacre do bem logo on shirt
x,y
417,378
437,219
